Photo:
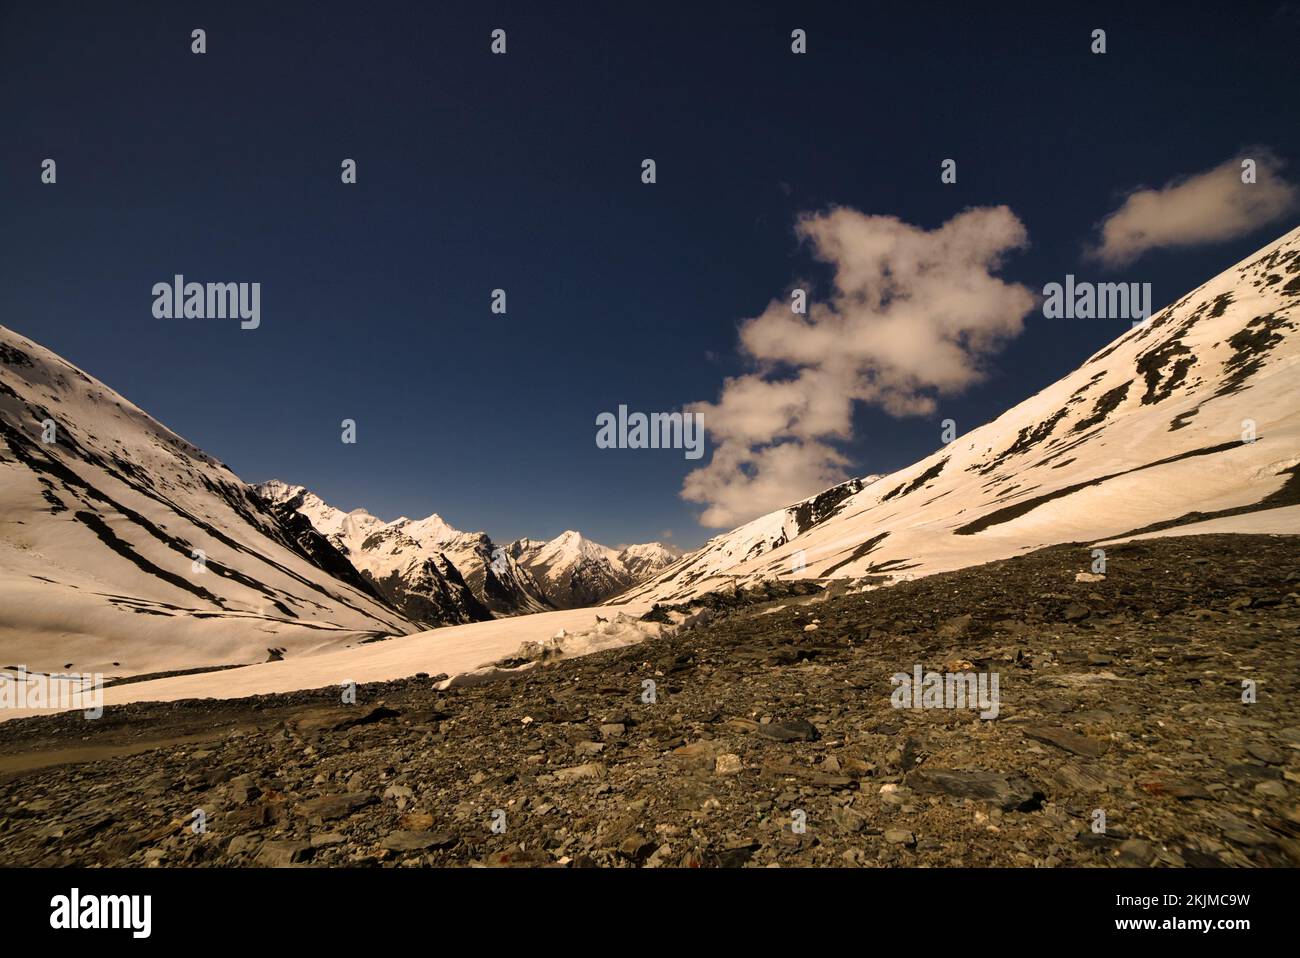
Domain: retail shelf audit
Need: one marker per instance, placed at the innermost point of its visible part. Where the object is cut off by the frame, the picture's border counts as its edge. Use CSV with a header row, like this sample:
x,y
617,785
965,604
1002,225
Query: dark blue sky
x,y
523,172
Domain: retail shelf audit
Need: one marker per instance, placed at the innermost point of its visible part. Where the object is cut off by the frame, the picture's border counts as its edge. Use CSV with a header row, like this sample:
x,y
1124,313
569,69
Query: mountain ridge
x,y
125,549
525,576
1192,409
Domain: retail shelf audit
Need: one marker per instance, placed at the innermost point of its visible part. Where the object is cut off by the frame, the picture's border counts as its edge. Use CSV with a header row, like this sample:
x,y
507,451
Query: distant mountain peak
x,y
528,575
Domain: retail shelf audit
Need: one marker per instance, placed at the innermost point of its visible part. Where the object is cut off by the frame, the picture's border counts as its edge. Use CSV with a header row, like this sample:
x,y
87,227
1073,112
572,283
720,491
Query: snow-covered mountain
x,y
644,560
410,559
1187,421
420,560
125,549
573,571
711,564
422,583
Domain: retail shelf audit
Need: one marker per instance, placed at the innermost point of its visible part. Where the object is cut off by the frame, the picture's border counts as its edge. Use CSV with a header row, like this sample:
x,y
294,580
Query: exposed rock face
x,y
762,743
314,546
432,592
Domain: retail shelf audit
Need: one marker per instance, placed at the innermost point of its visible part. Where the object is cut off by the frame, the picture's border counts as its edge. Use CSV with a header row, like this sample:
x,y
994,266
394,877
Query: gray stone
x,y
401,841
1008,792
329,807
790,730
280,854
1068,740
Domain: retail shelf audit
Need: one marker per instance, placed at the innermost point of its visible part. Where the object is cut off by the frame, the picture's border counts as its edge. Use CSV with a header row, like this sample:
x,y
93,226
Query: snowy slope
x,y
410,555
98,531
1146,433
711,564
453,650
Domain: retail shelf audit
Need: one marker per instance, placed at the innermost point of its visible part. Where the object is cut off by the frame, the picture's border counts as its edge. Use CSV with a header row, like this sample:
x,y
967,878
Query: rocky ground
x,y
772,740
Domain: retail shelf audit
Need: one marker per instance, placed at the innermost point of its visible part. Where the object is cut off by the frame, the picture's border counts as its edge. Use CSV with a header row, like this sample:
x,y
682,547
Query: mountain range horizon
x,y
1204,381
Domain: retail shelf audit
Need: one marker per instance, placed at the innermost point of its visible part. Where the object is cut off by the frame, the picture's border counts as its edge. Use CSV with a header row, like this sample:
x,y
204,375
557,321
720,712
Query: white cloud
x,y
912,316
742,482
1208,207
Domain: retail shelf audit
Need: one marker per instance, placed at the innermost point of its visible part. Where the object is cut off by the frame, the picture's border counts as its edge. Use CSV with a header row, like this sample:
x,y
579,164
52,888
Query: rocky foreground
x,y
771,740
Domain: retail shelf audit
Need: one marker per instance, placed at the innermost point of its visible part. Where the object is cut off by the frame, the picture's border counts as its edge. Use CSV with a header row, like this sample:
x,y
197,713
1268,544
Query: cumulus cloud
x,y
1208,207
911,317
